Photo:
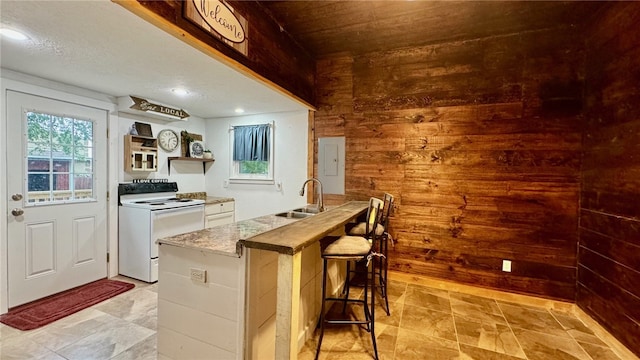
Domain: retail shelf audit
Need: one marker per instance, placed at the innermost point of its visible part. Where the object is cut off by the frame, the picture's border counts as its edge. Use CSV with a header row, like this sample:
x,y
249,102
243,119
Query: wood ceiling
x,y
324,28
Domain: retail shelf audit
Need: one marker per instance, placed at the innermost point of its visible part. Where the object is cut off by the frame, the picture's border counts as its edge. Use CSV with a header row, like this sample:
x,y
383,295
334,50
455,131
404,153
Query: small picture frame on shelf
x,y
196,149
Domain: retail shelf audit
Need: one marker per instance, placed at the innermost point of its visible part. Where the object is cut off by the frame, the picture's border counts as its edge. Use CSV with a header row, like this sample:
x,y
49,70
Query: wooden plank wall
x,y
272,53
480,142
609,252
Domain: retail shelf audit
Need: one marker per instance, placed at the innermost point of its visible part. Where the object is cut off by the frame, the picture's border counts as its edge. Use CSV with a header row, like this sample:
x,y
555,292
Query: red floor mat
x,y
46,310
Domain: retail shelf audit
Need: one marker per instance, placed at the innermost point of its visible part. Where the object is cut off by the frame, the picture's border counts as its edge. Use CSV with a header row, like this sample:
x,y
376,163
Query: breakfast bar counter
x,y
289,241
296,236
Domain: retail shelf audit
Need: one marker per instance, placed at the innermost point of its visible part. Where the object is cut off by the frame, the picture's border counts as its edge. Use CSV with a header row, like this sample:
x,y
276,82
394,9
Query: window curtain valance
x,y
251,142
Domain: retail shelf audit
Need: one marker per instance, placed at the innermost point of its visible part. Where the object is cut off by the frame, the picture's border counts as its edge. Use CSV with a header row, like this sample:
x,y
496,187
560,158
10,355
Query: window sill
x,y
252,181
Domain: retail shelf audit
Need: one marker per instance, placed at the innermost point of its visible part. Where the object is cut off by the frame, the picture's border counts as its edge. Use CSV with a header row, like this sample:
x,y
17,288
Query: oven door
x,y
170,222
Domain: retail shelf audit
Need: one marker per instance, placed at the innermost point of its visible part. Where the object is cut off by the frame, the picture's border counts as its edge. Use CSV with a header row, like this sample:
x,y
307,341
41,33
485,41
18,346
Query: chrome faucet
x,y
320,194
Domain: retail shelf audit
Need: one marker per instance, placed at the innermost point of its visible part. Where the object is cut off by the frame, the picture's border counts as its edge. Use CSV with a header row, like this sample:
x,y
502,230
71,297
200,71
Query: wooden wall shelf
x,y
182,158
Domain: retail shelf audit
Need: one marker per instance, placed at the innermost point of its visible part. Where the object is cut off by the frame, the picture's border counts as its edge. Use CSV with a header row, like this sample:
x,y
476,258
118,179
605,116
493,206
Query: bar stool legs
x,y
369,313
382,272
353,248
322,308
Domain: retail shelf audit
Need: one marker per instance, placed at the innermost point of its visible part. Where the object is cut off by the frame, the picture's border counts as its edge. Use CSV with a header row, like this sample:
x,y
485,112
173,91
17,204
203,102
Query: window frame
x,y
235,177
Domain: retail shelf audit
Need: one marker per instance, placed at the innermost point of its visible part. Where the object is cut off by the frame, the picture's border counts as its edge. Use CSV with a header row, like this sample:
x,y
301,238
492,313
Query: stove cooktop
x,y
160,203
153,195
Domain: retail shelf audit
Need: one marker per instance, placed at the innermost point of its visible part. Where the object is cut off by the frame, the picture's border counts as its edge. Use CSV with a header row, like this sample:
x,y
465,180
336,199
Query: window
x,y
60,159
252,153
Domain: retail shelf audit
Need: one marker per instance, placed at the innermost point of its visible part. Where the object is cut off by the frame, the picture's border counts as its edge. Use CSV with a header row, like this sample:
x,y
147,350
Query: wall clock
x,y
168,140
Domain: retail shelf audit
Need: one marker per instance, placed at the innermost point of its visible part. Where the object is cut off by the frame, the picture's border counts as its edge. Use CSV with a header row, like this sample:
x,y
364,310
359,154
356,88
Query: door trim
x,y
14,81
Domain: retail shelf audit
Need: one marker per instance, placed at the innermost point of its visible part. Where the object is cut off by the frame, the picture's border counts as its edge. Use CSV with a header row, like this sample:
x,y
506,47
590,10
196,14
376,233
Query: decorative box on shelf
x,y
185,140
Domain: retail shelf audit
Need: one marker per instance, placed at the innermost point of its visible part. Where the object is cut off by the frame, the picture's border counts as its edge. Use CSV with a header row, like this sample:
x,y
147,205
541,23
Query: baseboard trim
x,y
614,344
479,291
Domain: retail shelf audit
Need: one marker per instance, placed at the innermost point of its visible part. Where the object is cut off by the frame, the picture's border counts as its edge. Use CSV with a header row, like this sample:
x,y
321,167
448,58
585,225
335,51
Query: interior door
x,y
57,221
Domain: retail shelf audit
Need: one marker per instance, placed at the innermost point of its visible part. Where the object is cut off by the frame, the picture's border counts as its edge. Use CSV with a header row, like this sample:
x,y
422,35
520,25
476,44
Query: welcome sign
x,y
220,20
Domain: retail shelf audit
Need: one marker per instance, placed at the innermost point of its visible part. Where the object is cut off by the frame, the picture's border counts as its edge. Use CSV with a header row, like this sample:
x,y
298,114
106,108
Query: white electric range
x,y
149,211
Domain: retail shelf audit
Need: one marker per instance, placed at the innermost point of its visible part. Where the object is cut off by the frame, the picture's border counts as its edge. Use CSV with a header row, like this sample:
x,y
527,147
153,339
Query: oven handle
x,y
186,209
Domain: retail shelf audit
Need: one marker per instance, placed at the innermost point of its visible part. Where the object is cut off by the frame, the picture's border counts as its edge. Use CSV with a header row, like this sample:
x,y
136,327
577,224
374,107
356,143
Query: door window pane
x,y
60,165
60,155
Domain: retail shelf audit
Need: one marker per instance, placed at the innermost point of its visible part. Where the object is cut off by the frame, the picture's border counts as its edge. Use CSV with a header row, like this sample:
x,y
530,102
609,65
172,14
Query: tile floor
x,y
432,323
121,328
425,323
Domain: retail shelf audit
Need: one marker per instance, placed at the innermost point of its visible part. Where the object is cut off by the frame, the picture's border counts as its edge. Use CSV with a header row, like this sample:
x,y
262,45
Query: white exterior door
x,y
56,186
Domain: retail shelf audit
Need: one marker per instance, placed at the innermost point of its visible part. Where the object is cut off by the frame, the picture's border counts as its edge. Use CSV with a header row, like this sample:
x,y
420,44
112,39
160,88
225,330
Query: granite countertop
x,y
223,239
208,200
269,232
192,195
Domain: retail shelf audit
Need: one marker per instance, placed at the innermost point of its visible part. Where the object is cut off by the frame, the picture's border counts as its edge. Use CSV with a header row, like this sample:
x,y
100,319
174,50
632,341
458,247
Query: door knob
x,y
16,197
17,212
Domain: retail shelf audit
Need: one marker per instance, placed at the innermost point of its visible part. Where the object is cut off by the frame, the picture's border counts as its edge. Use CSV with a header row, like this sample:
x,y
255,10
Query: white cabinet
x,y
143,161
140,153
200,319
219,214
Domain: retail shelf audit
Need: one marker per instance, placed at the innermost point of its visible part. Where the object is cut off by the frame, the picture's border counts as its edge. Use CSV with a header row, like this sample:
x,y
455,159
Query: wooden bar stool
x,y
382,247
353,248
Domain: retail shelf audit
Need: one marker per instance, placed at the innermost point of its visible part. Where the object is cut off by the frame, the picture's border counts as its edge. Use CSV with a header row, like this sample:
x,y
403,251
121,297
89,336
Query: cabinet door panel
x,y
220,219
220,207
227,206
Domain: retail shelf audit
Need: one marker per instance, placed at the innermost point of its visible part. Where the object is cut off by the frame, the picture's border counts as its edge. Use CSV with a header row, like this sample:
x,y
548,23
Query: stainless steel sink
x,y
307,210
295,214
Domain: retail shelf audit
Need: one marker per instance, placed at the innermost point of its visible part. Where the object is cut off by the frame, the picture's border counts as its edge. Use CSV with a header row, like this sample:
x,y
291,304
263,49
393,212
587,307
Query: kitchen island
x,y
218,287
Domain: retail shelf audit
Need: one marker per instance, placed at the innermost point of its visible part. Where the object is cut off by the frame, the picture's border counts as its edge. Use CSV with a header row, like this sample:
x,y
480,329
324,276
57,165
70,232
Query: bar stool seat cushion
x,y
348,247
360,229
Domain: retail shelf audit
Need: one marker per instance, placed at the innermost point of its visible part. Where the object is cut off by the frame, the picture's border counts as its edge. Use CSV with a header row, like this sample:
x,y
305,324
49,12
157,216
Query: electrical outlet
x,y
225,183
199,275
506,265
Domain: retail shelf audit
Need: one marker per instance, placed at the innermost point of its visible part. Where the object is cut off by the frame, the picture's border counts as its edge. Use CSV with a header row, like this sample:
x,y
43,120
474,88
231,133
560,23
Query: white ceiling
x,y
100,46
